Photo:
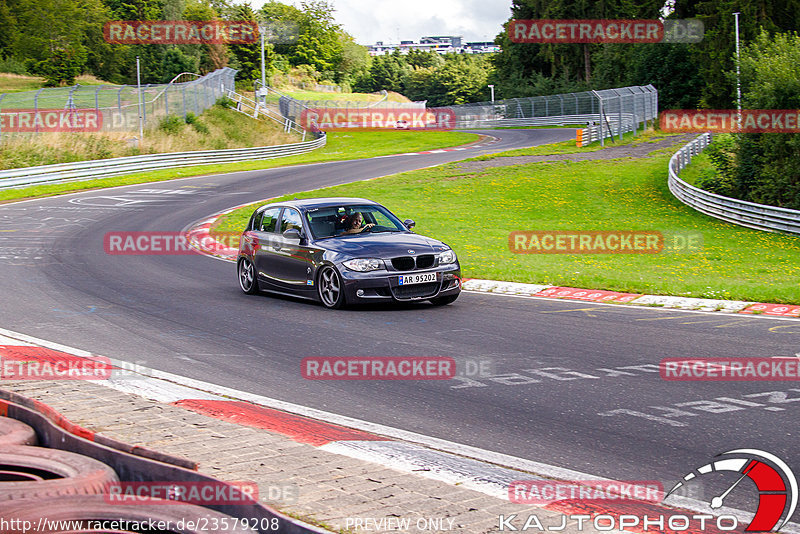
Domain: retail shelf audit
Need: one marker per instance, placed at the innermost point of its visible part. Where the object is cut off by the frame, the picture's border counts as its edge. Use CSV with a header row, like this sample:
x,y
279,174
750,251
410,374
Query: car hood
x,y
383,245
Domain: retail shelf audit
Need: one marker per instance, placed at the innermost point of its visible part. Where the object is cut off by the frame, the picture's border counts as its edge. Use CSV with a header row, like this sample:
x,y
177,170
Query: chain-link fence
x,y
298,110
606,113
613,111
109,107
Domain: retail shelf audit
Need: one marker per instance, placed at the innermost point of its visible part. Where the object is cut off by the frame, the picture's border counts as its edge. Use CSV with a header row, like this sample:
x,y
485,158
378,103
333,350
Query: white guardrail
x,y
101,168
741,212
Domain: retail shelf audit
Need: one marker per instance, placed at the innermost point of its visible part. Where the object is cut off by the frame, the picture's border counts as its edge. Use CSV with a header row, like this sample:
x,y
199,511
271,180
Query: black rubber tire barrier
x,y
95,508
65,473
13,432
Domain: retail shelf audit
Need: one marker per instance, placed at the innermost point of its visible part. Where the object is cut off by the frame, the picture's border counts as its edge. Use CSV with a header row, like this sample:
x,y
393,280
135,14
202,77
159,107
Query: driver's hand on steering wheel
x,y
368,226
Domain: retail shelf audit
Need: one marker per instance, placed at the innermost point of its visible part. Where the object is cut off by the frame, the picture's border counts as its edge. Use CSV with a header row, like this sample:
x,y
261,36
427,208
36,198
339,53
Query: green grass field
x,y
340,146
474,211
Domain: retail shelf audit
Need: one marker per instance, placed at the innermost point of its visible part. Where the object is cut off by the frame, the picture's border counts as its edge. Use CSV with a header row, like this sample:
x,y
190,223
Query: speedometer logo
x,y
777,485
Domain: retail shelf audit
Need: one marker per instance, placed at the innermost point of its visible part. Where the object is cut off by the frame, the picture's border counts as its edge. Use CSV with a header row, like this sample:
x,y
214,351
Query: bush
x,y
13,66
172,124
721,153
200,128
225,102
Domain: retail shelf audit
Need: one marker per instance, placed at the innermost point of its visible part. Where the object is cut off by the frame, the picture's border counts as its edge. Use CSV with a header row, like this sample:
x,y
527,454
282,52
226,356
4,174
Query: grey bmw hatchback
x,y
342,251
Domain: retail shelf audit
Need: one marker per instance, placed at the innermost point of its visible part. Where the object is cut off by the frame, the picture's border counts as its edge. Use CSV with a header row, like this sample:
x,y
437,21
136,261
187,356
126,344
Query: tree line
x,y
61,39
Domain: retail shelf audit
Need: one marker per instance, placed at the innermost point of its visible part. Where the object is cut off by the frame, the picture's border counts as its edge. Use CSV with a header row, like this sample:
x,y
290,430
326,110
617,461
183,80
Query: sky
x,y
369,21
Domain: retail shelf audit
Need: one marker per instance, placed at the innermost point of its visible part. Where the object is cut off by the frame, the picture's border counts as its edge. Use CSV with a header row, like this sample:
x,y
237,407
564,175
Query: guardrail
x,y
102,168
254,109
740,212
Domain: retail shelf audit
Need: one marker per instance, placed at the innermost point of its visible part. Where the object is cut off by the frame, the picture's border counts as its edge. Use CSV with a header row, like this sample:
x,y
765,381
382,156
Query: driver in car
x,y
353,222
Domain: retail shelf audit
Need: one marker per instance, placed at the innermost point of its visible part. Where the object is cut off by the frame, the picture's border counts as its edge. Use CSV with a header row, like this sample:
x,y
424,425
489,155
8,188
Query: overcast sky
x,y
369,21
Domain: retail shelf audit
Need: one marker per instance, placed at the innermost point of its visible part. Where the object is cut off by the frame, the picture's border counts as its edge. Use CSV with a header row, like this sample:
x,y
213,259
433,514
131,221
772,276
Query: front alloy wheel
x,y
247,277
330,288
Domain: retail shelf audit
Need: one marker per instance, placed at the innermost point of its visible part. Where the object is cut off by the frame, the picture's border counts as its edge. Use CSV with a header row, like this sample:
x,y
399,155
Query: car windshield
x,y
333,221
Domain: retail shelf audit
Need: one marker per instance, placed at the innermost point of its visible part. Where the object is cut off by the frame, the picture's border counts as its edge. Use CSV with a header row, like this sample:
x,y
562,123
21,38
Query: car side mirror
x,y
292,234
409,223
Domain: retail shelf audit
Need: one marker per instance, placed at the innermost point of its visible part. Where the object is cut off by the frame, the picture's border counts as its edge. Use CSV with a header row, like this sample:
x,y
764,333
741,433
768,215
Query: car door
x,y
291,262
265,228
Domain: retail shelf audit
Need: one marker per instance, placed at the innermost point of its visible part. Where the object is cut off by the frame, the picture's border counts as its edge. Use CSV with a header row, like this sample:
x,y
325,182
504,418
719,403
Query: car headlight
x,y
448,256
364,264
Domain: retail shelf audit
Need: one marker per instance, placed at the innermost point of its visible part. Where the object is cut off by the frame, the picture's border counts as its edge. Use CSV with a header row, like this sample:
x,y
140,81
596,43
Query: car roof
x,y
307,203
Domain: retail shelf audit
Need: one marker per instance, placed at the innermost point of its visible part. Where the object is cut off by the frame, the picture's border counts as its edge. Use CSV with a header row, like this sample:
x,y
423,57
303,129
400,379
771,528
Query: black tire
x,y
95,508
248,279
330,288
13,432
39,473
444,301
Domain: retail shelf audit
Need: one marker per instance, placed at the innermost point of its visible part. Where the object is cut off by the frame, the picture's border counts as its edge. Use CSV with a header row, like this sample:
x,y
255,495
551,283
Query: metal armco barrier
x,y
85,170
740,212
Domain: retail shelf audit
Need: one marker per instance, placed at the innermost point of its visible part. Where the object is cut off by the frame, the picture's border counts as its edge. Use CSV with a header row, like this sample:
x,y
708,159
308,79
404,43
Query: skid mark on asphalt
x,y
587,311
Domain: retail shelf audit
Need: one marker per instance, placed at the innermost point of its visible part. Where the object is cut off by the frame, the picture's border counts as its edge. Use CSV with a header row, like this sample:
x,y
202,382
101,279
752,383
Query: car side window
x,y
291,219
269,220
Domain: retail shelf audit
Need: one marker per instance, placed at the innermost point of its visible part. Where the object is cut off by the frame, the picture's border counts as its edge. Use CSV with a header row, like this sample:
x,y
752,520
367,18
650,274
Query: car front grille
x,y
403,263
424,261
409,263
416,290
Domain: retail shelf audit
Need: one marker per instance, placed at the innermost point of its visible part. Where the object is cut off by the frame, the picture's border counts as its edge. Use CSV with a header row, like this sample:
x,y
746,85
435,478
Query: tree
x,y
247,56
768,164
8,28
519,64
319,43
52,36
210,56
714,56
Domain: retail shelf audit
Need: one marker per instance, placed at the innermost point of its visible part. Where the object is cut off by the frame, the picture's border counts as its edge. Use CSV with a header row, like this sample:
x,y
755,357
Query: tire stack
x,y
40,486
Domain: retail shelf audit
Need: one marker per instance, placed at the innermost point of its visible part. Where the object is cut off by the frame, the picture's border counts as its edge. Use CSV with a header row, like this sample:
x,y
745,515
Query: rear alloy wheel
x,y
247,277
330,288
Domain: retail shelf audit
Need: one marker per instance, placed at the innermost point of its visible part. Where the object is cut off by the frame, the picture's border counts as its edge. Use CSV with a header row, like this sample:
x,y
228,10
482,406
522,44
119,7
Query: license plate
x,y
417,278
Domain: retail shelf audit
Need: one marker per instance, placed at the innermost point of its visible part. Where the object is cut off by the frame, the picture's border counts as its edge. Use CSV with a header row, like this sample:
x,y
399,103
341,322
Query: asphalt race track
x,y
573,384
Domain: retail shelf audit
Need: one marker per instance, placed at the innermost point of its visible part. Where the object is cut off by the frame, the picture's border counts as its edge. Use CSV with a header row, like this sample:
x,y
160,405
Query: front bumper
x,y
384,285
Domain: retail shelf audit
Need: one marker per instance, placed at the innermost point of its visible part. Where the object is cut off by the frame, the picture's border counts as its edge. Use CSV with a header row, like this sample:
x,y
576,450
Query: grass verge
x,y
340,146
215,129
474,212
569,147
15,83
